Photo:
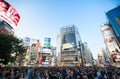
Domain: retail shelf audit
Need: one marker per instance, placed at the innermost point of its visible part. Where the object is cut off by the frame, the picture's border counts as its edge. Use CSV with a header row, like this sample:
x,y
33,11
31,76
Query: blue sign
x,y
27,40
48,39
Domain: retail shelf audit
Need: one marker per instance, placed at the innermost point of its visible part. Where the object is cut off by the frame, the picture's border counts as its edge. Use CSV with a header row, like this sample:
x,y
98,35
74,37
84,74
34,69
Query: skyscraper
x,y
68,43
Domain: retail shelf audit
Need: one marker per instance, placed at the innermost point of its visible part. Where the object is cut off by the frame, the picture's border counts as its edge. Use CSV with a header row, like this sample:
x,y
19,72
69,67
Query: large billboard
x,y
9,14
109,38
114,19
46,49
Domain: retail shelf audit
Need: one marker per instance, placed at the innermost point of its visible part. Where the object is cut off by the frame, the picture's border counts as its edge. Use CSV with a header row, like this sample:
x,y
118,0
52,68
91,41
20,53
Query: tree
x,y
10,45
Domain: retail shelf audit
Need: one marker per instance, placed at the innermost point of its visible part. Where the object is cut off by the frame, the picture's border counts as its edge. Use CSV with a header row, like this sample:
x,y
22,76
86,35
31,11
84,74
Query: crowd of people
x,y
59,73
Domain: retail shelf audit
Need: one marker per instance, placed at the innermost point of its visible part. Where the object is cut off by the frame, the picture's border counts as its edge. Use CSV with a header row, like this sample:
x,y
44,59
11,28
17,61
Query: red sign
x,y
115,56
9,14
40,58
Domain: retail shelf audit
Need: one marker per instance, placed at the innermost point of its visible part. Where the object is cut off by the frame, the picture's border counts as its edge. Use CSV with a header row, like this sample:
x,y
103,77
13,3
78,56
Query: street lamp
x,y
80,53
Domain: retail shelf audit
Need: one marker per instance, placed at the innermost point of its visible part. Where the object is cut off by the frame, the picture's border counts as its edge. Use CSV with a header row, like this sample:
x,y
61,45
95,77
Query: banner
x,y
40,58
9,14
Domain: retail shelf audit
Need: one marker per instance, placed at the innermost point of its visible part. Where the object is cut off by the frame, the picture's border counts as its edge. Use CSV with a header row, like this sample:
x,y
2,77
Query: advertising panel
x,y
34,41
46,49
113,17
109,38
40,58
67,46
108,35
9,14
47,41
115,57
111,46
27,40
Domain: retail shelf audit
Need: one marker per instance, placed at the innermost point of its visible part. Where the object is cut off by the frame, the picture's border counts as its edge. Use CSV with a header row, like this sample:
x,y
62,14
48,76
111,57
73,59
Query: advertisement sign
x,y
46,49
112,46
9,14
67,46
115,57
108,33
27,40
113,16
45,63
40,58
47,41
34,41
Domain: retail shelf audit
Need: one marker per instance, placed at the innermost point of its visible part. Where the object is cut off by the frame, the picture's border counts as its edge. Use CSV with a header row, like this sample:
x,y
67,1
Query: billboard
x,y
114,19
47,41
9,14
115,57
46,49
109,38
27,40
67,46
40,58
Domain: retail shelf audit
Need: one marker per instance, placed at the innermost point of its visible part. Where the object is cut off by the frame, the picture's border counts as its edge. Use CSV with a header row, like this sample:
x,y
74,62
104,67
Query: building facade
x,y
88,59
109,38
110,41
69,46
114,19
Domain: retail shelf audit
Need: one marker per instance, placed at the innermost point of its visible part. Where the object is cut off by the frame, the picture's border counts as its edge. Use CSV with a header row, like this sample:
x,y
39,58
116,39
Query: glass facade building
x,y
114,19
67,45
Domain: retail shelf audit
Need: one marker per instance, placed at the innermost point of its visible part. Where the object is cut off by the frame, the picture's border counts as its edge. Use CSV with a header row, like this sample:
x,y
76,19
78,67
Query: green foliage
x,y
9,45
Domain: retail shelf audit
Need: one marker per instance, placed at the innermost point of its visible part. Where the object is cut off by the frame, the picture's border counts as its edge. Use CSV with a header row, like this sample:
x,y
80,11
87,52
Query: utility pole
x,y
81,53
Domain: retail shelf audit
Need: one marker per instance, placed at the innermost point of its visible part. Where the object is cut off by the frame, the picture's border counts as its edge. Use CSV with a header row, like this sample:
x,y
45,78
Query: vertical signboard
x,y
40,58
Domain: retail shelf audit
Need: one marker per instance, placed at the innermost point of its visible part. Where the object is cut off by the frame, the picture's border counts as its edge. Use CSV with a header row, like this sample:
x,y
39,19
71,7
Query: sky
x,y
44,18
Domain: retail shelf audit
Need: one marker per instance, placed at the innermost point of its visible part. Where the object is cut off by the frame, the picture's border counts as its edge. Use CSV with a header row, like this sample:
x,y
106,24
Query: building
x,y
9,18
101,58
88,59
114,19
32,50
109,38
69,46
46,55
110,41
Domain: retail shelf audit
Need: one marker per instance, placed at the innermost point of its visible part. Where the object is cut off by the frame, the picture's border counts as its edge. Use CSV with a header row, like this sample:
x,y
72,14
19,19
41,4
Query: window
x,y
69,38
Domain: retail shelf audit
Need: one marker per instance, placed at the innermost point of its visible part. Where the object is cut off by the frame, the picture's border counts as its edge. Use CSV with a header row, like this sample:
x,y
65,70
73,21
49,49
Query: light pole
x,y
80,53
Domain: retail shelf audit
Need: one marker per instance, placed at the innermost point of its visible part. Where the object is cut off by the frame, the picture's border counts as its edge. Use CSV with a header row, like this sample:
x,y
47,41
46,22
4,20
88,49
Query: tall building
x,y
114,19
88,59
69,46
110,41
